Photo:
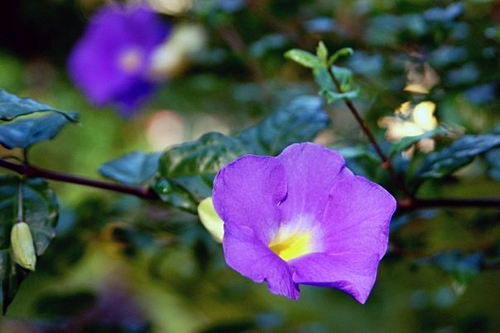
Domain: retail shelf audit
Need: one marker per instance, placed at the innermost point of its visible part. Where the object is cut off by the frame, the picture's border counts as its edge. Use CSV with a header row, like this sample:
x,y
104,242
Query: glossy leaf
x,y
303,58
12,106
26,131
301,120
186,172
40,212
458,154
134,169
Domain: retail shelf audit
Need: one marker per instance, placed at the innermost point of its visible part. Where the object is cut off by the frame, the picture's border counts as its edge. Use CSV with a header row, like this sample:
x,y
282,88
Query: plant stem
x,y
386,162
30,171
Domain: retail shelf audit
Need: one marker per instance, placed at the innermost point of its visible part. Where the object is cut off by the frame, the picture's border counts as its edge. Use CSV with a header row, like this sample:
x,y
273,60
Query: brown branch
x,y
386,162
30,171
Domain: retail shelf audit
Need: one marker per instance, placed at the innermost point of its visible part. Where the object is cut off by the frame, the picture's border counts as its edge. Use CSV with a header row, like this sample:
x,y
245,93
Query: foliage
x,y
274,73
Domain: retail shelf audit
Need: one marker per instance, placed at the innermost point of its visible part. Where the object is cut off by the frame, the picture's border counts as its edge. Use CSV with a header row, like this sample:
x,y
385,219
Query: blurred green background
x,y
120,264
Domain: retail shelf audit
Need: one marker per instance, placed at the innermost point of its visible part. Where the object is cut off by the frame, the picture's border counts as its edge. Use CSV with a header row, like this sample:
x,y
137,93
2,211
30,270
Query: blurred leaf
x,y
328,87
301,120
134,169
462,267
303,58
459,153
322,52
40,212
344,52
12,276
344,77
493,160
12,106
332,96
323,79
186,172
22,133
409,141
65,305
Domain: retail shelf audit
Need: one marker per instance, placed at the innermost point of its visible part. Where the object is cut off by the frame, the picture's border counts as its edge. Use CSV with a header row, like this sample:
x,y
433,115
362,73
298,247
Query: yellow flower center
x,y
293,246
131,60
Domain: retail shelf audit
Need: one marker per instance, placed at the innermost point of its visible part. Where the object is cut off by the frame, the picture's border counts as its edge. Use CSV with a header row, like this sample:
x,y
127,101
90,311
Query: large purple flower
x,y
303,218
111,61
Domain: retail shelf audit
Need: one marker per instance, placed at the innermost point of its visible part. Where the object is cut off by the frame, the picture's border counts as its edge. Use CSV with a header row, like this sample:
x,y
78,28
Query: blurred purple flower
x,y
303,218
110,63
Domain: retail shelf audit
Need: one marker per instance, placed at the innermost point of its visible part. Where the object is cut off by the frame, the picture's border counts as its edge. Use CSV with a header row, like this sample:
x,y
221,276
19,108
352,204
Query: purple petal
x,y
353,273
252,258
247,192
94,64
357,217
311,170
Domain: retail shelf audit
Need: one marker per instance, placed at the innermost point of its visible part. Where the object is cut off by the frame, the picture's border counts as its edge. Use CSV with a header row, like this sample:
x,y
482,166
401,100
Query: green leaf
x,y
26,131
332,96
186,172
409,141
40,212
458,154
12,106
343,76
303,58
301,120
133,169
322,53
344,52
323,79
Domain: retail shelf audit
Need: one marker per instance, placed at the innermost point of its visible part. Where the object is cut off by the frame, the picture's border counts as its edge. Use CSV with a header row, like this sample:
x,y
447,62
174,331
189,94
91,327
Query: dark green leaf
x,y
458,154
186,171
40,212
409,141
12,106
301,120
26,131
134,169
65,304
303,58
462,267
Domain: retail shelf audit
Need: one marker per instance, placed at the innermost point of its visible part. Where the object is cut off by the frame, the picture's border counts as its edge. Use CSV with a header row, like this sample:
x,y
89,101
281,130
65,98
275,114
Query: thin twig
x,y
30,171
386,162
238,46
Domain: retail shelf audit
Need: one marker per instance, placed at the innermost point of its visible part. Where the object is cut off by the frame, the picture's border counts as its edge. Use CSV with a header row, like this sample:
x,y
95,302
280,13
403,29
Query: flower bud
x,y
23,248
210,220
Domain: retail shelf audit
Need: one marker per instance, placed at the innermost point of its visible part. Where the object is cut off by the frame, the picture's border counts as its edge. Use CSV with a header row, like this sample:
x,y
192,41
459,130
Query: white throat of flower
x,y
131,60
293,240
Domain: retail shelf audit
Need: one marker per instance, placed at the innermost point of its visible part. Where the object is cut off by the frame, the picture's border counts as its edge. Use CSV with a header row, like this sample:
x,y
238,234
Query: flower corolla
x,y
111,62
303,218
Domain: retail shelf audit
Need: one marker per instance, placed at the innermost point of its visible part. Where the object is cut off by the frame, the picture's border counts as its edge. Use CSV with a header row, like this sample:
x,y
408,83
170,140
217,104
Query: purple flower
x,y
111,61
303,218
